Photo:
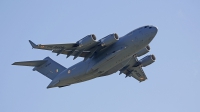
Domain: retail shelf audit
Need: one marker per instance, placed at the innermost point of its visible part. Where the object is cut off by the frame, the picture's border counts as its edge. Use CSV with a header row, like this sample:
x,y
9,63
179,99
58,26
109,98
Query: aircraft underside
x,y
101,58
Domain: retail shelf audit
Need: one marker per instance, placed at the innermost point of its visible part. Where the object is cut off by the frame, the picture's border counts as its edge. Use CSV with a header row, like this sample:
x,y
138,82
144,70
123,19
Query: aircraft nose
x,y
151,29
154,29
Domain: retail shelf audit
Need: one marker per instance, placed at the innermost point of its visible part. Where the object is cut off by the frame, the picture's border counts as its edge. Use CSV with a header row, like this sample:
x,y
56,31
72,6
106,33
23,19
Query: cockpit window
x,y
145,26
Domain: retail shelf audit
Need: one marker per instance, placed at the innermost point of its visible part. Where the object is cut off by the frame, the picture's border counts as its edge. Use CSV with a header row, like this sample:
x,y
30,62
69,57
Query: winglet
x,y
32,44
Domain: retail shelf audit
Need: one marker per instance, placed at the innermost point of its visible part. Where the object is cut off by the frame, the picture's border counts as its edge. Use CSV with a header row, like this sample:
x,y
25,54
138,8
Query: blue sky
x,y
173,80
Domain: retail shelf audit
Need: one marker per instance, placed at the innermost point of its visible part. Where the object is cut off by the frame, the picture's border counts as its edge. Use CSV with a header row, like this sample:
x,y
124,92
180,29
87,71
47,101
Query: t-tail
x,y
47,67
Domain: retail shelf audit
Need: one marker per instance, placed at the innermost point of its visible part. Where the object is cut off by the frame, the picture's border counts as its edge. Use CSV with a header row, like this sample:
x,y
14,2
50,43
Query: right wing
x,y
135,71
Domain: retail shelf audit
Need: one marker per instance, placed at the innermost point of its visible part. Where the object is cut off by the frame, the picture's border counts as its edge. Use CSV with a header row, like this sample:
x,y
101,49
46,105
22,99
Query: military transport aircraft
x,y
101,58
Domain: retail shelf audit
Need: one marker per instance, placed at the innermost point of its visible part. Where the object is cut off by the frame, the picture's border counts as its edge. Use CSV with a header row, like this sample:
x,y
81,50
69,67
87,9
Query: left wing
x,y
86,47
53,46
132,69
67,49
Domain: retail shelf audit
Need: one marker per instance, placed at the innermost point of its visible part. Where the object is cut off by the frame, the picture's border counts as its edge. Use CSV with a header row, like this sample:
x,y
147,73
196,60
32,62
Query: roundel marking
x,y
69,71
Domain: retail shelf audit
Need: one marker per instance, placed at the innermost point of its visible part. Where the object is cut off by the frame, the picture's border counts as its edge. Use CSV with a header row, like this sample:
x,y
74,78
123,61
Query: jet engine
x,y
143,51
86,41
147,60
109,40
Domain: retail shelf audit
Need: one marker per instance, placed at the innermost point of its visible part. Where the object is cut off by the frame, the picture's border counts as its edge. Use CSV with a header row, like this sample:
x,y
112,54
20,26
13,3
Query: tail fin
x,y
47,67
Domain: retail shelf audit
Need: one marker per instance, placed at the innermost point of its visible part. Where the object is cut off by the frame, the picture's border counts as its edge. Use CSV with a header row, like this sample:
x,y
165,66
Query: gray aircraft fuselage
x,y
107,61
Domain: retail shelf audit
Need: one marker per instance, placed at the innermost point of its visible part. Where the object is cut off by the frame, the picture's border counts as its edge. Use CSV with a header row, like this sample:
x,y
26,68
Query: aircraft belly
x,y
116,68
111,65
114,60
73,74
106,64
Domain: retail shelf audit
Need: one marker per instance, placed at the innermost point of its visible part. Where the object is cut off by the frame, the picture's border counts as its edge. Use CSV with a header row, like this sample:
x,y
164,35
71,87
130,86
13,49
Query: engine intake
x,y
109,40
147,60
86,41
143,51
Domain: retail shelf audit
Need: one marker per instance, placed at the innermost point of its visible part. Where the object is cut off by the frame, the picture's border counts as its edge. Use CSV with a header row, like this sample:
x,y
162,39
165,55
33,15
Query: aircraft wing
x,y
52,46
135,71
86,47
67,49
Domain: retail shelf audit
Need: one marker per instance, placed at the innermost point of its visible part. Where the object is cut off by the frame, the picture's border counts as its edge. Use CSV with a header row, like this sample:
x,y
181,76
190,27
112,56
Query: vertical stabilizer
x,y
50,69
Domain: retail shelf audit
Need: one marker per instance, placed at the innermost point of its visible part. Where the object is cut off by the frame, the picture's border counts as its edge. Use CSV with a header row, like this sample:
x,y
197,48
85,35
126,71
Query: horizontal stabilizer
x,y
30,63
47,67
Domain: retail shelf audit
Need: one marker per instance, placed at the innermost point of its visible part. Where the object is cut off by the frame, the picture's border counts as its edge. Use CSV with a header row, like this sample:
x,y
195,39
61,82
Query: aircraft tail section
x,y
47,67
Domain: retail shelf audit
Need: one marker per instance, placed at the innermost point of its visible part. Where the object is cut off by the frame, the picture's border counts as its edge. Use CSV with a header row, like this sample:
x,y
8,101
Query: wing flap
x,y
67,52
68,46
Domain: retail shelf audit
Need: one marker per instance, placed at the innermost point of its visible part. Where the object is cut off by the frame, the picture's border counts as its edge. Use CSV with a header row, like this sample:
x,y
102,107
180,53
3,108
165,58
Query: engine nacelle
x,y
109,40
143,51
147,60
86,41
